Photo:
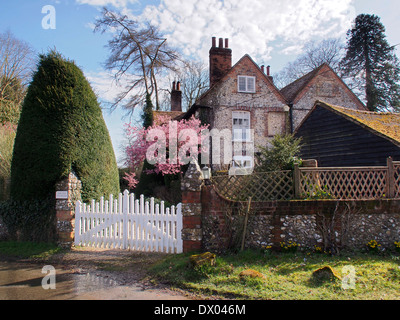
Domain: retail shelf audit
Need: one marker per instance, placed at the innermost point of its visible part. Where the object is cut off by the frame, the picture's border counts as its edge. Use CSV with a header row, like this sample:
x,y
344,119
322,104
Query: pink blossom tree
x,y
167,145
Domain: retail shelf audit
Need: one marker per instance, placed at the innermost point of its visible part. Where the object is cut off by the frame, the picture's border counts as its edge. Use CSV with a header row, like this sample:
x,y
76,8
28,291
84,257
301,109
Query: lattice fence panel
x,y
344,183
263,186
396,179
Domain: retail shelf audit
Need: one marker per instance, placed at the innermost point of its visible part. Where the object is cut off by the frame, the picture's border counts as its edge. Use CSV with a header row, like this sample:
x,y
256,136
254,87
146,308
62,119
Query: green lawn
x,y
287,276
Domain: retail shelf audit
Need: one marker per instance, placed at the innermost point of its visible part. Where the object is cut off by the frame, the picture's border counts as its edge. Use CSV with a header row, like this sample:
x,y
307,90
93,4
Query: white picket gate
x,y
129,223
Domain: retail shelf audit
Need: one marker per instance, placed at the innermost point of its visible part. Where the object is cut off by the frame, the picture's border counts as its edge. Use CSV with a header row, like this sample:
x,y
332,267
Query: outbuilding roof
x,y
385,124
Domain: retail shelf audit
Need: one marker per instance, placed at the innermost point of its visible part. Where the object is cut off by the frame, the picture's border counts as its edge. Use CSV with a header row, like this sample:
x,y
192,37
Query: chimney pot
x,y
214,42
226,43
262,69
176,97
268,70
221,42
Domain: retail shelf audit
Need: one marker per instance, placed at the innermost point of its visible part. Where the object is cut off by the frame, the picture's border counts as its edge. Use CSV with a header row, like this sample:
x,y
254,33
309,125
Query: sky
x,y
271,32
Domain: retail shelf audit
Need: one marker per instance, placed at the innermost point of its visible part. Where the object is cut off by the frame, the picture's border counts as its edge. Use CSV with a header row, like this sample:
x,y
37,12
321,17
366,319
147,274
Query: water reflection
x,y
24,282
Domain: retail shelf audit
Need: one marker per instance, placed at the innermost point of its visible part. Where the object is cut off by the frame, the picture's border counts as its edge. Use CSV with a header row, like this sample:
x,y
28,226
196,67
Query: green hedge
x,y
61,129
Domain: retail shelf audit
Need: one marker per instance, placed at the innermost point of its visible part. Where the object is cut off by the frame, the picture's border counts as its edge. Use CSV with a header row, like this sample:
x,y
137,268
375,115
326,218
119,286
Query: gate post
x,y
191,209
68,191
390,178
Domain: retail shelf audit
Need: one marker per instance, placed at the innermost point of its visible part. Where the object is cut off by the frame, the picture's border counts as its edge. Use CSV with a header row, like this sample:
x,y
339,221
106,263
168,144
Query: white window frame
x,y
241,161
249,85
241,125
239,167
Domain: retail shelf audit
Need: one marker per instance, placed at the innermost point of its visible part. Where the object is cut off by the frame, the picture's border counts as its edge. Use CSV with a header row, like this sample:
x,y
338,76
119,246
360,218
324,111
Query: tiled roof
x,y
386,124
291,91
161,114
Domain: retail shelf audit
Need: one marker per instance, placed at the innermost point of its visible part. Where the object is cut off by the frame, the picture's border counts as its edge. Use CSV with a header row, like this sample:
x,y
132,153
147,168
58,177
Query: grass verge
x,y
287,276
28,250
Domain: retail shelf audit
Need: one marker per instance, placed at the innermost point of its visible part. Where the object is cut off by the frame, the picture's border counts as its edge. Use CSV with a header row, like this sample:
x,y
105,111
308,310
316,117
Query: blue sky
x,y
272,32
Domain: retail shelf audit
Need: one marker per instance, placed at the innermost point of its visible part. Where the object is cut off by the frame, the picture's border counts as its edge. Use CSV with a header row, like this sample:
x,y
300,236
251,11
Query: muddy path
x,y
89,274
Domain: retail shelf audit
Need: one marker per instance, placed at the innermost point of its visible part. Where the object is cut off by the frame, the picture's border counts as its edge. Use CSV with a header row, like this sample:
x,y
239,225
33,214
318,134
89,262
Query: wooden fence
x,y
129,223
357,183
261,186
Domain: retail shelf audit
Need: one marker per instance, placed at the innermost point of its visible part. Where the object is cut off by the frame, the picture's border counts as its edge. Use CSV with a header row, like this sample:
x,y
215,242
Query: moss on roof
x,y
384,123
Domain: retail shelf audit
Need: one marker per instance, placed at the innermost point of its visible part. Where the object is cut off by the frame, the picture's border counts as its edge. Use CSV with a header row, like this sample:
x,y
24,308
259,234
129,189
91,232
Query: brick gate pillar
x,y
68,191
191,208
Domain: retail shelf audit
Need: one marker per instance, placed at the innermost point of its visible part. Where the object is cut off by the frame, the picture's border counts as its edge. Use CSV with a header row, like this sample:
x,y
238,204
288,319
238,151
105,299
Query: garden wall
x,y
349,224
213,223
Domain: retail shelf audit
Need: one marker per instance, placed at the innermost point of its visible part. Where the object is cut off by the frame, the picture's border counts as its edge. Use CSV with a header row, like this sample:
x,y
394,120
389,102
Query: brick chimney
x,y
176,97
220,60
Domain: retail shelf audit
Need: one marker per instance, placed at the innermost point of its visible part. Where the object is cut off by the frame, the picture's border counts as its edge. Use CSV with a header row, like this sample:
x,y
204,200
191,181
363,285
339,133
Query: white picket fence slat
x,y
129,223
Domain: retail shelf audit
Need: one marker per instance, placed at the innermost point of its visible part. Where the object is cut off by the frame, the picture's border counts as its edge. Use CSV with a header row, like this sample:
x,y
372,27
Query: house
x,y
242,99
320,84
344,137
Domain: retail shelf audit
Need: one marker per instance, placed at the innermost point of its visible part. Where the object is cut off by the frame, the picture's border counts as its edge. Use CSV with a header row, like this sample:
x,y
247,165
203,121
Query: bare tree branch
x,y
138,51
315,54
16,67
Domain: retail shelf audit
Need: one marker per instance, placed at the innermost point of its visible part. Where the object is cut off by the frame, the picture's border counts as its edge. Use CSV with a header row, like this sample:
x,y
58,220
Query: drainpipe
x,y
291,117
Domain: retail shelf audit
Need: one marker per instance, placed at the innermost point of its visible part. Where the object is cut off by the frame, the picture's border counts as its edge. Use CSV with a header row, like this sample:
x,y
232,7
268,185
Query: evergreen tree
x,y
370,56
147,116
148,182
61,128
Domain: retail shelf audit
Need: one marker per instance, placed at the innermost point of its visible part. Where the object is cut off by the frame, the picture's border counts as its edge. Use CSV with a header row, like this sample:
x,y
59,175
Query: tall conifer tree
x,y
61,129
370,57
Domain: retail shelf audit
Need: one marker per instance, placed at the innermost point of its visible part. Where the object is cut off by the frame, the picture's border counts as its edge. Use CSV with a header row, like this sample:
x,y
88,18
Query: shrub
x,y
61,129
32,220
282,155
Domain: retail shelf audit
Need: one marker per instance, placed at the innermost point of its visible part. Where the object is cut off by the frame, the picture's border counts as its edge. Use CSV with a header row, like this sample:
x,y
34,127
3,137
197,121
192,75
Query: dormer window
x,y
247,84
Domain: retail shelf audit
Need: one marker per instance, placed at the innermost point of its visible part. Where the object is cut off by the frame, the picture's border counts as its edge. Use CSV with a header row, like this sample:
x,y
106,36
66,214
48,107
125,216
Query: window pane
x,y
250,84
242,83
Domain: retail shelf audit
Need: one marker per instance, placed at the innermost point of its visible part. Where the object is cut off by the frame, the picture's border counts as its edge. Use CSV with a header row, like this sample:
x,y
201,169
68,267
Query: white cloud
x,y
103,84
292,50
251,26
102,3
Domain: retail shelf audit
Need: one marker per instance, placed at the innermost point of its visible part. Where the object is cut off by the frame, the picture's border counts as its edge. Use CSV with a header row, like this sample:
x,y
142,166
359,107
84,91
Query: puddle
x,y
24,282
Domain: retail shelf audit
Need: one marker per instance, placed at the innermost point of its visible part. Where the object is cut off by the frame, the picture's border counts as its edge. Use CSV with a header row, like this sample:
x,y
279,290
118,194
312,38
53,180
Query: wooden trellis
x,y
396,179
358,183
262,186
344,183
